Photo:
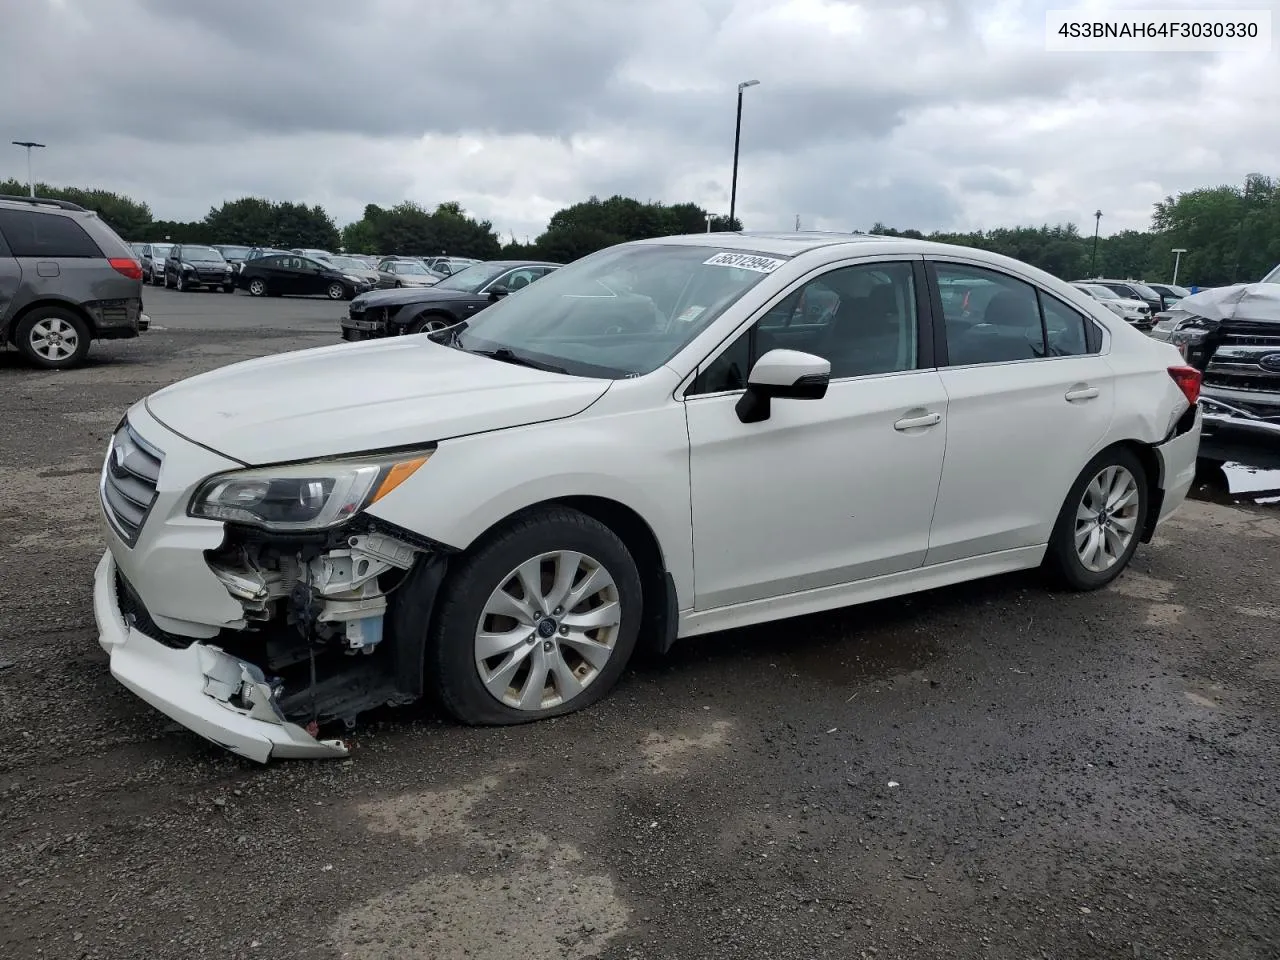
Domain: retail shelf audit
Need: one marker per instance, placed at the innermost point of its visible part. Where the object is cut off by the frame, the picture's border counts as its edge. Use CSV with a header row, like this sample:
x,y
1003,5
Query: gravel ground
x,y
991,770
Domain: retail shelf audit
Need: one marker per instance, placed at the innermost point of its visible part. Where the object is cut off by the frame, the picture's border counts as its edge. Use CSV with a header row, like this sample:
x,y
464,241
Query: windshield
x,y
201,253
238,252
1273,276
407,266
473,278
1145,292
621,312
347,263
1100,292
161,249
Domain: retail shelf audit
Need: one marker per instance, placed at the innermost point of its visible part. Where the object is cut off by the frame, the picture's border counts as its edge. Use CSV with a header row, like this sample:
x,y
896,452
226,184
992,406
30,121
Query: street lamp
x,y
1093,261
737,138
1177,259
31,184
710,217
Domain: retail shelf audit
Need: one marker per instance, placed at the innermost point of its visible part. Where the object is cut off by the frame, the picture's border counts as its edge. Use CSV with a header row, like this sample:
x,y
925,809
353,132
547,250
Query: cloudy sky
x,y
937,114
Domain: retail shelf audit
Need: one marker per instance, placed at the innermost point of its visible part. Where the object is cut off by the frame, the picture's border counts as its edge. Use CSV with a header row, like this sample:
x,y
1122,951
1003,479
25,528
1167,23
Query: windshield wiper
x,y
507,355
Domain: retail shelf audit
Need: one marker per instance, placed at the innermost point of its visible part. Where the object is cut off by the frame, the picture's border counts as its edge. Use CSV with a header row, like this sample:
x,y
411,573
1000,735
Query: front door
x,y
1030,401
827,491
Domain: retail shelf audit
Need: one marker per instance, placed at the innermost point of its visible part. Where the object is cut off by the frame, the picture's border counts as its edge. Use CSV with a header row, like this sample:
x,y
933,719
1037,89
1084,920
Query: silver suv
x,y
66,278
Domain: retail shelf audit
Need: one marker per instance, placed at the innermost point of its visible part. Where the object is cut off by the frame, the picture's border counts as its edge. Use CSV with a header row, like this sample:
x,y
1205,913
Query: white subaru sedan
x,y
663,439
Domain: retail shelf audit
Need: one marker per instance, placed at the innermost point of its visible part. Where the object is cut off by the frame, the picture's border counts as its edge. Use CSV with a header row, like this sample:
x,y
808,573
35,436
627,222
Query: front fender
x,y
637,458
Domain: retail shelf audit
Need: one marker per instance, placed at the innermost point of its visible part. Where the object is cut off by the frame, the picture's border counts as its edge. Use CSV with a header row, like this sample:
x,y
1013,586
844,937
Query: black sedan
x,y
279,274
390,313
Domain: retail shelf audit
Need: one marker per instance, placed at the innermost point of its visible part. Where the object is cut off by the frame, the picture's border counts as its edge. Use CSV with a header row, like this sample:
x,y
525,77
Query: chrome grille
x,y
129,479
1237,363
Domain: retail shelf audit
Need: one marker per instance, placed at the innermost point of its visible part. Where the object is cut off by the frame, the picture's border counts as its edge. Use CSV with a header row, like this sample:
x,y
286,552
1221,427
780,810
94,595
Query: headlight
x,y
187,266
303,496
350,279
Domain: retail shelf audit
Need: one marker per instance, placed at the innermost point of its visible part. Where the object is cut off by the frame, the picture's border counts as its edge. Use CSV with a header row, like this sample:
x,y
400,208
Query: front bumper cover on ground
x,y
196,686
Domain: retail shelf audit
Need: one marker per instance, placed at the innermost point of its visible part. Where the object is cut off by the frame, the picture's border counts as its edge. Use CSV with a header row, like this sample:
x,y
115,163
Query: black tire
x,y
428,324
1061,560
451,668
258,287
336,291
38,319
166,280
179,283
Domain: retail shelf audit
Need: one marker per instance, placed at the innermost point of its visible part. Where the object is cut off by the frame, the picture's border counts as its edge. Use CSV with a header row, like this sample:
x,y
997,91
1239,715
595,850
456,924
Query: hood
x,y
398,298
1129,304
1246,304
349,398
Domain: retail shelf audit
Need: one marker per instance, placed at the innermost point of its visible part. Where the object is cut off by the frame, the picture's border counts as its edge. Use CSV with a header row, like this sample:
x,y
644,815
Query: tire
x,y
166,281
257,287
428,324
179,284
228,288
1075,534
453,662
336,291
52,338
399,285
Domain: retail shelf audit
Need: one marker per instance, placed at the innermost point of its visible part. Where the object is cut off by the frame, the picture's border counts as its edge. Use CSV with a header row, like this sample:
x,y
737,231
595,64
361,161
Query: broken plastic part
x,y
384,548
364,634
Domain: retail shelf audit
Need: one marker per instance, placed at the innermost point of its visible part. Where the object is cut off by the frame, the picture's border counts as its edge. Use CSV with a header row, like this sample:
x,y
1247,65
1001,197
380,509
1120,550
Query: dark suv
x,y
190,266
1133,290
66,278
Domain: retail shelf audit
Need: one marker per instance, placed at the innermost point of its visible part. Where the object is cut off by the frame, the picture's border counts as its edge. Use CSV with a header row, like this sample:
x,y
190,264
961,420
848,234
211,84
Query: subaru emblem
x,y
1270,362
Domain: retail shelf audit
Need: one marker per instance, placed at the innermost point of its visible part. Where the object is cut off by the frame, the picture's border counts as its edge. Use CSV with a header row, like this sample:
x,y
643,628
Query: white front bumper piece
x,y
222,698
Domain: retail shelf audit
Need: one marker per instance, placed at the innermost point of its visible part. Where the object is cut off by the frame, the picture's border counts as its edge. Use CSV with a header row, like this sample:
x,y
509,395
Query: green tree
x,y
128,217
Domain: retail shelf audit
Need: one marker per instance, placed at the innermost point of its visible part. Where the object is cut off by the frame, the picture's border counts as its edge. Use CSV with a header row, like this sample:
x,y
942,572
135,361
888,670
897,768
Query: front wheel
x,y
180,283
166,281
1101,522
538,620
336,291
428,325
257,287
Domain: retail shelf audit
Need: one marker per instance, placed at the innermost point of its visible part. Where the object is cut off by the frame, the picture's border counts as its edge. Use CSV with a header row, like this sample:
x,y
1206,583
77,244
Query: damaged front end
x,y
316,645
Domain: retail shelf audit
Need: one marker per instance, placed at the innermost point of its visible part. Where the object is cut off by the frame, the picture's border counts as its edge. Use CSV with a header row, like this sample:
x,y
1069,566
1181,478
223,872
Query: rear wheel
x,y
1101,522
53,338
539,620
257,287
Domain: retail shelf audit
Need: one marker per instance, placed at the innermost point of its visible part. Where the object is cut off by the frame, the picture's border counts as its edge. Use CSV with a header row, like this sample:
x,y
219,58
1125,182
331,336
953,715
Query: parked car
x,y
1137,313
389,313
1169,293
256,252
633,449
447,266
191,266
1273,276
1232,335
295,275
405,273
66,278
1133,290
234,255
356,267
136,247
153,258
313,253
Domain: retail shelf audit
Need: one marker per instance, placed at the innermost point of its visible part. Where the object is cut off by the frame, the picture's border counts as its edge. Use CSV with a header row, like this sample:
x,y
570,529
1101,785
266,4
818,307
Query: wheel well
x,y
659,616
1150,461
14,322
428,312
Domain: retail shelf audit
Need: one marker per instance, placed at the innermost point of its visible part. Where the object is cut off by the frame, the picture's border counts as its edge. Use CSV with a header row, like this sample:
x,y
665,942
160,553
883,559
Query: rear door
x,y
1029,401
10,282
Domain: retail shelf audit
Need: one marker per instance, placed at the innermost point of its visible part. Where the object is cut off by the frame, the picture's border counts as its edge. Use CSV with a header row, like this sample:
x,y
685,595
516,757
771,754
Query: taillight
x,y
130,268
1188,381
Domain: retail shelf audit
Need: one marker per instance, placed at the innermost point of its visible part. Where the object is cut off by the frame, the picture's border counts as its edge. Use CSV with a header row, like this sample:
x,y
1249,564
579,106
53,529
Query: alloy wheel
x,y
547,630
1107,518
336,291
54,339
257,287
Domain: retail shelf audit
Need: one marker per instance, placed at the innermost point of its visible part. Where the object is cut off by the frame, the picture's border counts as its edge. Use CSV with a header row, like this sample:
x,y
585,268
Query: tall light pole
x,y
31,184
1177,259
710,217
1093,261
737,138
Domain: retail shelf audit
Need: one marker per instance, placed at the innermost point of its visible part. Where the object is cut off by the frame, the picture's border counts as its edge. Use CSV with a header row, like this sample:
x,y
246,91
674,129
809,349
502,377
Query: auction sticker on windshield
x,y
745,261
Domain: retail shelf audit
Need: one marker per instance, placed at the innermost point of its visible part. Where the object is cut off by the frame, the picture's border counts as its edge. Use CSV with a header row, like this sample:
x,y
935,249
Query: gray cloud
x,y
936,114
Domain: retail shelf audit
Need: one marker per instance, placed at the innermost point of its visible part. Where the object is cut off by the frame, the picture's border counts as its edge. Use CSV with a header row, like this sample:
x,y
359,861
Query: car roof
x,y
791,244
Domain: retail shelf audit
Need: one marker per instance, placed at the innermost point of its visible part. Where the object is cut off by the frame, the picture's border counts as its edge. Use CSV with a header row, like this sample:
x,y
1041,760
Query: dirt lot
x,y
986,771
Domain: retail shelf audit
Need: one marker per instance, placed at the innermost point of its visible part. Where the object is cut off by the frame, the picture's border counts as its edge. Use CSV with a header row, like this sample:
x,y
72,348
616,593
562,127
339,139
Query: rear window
x,y
49,235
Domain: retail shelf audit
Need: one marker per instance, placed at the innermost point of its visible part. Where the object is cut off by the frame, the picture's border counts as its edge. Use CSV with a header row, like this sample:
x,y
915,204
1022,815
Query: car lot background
x,y
991,770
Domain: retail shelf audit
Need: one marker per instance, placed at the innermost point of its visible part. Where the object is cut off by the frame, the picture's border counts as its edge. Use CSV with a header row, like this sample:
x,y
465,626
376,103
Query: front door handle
x,y
928,420
1082,393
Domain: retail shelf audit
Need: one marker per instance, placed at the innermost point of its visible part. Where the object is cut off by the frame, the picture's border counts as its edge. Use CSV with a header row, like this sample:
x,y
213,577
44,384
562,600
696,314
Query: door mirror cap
x,y
787,375
498,292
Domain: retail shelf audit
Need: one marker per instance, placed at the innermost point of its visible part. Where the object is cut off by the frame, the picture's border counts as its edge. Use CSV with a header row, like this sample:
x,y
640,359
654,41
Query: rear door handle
x,y
1082,393
928,420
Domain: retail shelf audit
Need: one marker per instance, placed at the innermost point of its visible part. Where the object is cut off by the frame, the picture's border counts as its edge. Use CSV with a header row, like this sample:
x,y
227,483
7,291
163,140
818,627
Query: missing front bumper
x,y
222,698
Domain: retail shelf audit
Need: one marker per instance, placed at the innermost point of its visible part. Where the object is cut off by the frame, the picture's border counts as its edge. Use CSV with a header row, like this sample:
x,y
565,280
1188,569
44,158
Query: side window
x,y
861,318
1065,329
32,234
989,317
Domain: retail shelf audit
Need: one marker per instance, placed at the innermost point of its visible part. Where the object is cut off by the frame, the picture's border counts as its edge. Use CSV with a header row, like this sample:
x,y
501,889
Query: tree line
x,y
1231,233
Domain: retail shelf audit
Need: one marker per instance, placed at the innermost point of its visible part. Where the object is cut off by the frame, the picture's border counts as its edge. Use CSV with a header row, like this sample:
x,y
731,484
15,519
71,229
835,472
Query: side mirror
x,y
787,375
498,292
